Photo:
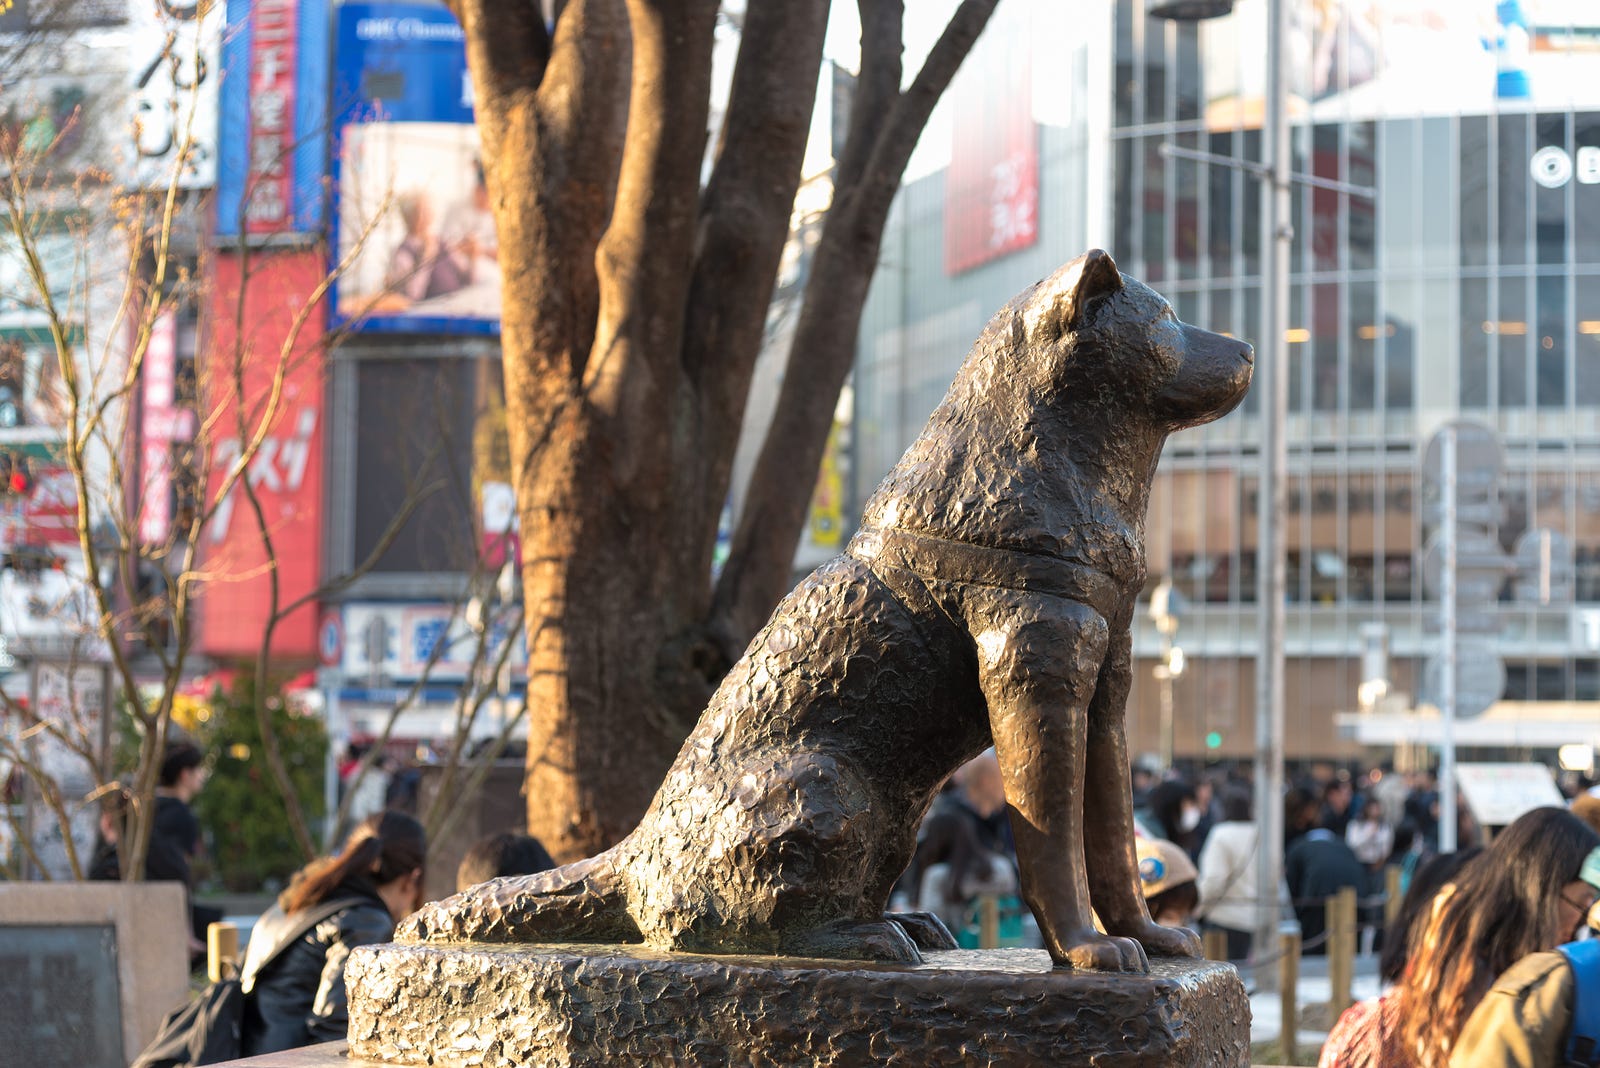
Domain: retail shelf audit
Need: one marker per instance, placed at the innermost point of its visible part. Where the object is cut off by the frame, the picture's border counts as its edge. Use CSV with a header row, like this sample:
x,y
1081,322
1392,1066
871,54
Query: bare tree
x,y
105,265
634,301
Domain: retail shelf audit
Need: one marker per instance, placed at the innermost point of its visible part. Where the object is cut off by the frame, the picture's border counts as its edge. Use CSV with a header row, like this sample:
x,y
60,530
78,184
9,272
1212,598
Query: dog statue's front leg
x,y
1108,816
1038,662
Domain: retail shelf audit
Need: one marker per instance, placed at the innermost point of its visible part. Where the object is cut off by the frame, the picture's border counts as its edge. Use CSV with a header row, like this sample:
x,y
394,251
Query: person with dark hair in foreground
x,y
501,855
1516,898
1541,1013
297,996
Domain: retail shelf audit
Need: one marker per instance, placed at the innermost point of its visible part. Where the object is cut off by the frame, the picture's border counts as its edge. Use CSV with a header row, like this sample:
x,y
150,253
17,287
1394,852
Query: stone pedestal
x,y
626,1005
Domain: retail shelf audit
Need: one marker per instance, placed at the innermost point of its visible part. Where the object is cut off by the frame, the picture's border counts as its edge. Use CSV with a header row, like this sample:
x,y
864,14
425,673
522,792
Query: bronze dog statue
x,y
986,599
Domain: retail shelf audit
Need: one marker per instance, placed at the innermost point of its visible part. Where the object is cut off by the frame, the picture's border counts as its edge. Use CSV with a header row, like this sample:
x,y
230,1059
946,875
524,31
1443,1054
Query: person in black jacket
x,y
175,837
299,997
1318,865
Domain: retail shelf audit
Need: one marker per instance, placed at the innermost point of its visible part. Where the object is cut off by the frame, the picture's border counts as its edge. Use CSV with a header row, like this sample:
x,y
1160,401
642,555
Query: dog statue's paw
x,y
1095,952
883,940
1160,941
925,929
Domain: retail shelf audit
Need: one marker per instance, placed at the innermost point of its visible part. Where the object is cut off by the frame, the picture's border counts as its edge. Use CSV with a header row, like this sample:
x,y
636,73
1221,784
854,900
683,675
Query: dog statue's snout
x,y
1249,354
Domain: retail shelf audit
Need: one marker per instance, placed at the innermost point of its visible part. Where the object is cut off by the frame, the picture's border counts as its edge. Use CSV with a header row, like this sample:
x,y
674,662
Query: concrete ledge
x,y
560,1006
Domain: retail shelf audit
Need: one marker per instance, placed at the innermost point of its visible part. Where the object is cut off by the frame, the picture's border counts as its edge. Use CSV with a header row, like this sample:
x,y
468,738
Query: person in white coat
x,y
1227,881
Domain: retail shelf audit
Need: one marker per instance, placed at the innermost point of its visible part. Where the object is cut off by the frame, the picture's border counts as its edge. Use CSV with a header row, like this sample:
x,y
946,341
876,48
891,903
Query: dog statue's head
x,y
1108,338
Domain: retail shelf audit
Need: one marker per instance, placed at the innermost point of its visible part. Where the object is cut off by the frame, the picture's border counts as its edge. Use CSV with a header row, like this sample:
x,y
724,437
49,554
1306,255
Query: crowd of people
x,y
1469,962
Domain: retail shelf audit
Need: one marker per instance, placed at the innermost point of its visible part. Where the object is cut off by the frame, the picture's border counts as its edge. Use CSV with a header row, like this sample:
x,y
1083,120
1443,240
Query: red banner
x,y
287,470
270,174
991,192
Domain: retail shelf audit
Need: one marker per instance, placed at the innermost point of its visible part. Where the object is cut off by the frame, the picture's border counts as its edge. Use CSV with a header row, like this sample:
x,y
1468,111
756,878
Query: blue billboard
x,y
411,219
272,136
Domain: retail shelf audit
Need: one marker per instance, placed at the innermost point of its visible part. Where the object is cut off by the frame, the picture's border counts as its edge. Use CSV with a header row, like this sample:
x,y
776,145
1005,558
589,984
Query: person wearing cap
x,y
1167,877
1526,1018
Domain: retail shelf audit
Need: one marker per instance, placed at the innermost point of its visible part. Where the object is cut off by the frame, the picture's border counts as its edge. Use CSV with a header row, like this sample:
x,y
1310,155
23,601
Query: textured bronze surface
x,y
986,600
586,1005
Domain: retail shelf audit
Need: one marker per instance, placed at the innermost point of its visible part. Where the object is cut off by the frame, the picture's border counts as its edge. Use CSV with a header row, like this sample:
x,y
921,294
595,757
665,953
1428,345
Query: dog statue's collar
x,y
944,560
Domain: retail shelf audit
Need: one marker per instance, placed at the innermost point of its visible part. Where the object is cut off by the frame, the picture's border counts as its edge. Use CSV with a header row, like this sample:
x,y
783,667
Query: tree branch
x,y
898,136
877,84
508,44
574,133
757,571
646,258
744,221
744,216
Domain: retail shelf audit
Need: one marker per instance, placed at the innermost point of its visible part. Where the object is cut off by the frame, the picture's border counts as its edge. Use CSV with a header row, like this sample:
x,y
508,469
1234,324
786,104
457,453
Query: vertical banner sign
x,y
272,151
991,195
157,378
412,214
269,178
286,472
176,59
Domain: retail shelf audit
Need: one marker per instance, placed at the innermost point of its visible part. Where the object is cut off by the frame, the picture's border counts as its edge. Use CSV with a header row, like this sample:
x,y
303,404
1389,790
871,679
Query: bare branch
x,y
877,84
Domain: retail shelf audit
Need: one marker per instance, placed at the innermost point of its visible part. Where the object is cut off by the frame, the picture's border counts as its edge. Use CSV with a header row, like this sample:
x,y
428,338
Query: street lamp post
x,y
1271,577
1164,614
1273,383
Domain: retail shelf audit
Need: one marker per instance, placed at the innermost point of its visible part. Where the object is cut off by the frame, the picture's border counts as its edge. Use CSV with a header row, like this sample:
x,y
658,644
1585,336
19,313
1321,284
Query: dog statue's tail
x,y
581,902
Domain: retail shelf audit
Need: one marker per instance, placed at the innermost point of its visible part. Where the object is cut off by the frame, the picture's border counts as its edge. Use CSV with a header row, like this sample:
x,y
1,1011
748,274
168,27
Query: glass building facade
x,y
1457,278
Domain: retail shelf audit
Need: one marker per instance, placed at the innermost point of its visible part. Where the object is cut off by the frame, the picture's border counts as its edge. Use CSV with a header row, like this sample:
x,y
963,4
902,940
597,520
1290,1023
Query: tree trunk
x,y
633,312
602,731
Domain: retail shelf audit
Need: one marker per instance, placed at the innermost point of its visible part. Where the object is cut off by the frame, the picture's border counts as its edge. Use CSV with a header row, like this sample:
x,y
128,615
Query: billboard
x,y
272,145
412,215
286,472
1405,58
991,194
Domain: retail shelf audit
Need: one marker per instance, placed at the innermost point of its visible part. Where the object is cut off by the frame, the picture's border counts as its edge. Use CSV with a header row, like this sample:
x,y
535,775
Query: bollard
x,y
1331,947
222,951
988,922
1216,943
1288,995
1341,950
1391,888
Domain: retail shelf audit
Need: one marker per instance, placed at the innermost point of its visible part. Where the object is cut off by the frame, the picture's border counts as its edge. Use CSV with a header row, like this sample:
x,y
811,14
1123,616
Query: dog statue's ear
x,y
1067,293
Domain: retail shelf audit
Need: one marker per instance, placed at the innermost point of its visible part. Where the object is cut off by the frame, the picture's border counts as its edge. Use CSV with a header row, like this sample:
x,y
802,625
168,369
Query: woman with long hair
x,y
294,967
1510,903
1367,1035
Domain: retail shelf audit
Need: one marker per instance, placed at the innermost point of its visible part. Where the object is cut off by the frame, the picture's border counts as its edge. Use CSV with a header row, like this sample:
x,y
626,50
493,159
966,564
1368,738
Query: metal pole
x,y
1163,674
331,679
1272,367
1447,658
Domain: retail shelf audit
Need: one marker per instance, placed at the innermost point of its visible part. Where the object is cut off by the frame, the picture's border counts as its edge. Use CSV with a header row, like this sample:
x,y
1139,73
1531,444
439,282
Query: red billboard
x,y
991,192
286,471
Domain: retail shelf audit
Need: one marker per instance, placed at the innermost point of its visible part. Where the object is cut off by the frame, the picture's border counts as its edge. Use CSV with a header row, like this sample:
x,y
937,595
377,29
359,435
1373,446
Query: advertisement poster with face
x,y
412,219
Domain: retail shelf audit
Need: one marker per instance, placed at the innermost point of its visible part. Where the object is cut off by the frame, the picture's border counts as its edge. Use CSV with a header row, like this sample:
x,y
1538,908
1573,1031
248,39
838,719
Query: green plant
x,y
252,843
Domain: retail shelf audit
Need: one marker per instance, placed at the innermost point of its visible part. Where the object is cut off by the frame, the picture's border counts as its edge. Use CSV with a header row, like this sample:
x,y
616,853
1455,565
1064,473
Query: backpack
x,y
208,1029
1583,1037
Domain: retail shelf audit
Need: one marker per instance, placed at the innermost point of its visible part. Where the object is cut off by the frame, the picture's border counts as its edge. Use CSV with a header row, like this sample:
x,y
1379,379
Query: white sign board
x,y
177,67
1499,793
395,641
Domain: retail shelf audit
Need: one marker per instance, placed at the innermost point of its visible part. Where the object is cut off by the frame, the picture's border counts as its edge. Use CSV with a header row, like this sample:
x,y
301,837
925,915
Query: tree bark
x,y
884,126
